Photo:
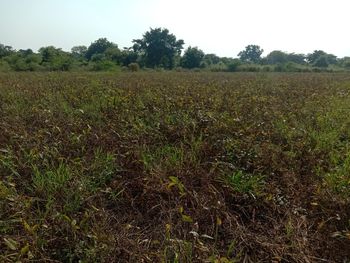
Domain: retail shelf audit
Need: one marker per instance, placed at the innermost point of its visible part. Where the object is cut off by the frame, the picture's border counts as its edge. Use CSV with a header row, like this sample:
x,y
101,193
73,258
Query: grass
x,y
174,167
241,182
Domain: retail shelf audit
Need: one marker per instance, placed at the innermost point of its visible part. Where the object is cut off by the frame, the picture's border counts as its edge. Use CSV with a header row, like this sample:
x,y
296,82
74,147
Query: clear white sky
x,y
223,27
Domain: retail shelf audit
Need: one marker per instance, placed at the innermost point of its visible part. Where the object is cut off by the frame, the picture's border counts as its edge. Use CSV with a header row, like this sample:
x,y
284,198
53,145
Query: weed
x,y
51,183
244,183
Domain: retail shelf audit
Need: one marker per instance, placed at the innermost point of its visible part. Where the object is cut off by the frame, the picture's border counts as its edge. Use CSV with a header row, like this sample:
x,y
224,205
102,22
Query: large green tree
x,y
251,54
99,47
158,48
320,58
322,61
211,59
312,57
345,62
192,57
79,52
5,50
55,58
113,54
127,56
296,58
276,57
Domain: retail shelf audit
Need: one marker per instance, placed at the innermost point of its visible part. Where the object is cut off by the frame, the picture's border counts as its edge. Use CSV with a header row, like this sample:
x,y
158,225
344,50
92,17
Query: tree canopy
x,y
79,51
99,47
158,48
251,54
5,50
192,57
276,57
320,58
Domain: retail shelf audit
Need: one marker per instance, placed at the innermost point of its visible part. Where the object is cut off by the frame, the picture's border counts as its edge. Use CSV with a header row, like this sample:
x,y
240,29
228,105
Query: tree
x,y
99,47
113,54
192,58
319,58
296,58
25,52
49,53
345,62
128,56
79,52
276,57
321,61
24,60
211,59
158,48
332,59
55,59
5,50
251,54
312,57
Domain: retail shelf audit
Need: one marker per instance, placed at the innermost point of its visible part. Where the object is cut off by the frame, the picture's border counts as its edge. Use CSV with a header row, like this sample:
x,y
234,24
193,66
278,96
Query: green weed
x,y
244,183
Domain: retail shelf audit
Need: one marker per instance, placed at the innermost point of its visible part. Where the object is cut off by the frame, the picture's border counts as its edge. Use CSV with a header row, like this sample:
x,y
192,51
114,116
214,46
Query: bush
x,y
249,68
103,65
292,67
280,68
159,69
219,67
4,66
180,69
306,70
317,70
267,69
233,66
134,67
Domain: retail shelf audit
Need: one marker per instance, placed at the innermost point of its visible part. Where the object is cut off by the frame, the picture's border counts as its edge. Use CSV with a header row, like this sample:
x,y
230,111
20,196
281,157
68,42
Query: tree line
x,y
159,49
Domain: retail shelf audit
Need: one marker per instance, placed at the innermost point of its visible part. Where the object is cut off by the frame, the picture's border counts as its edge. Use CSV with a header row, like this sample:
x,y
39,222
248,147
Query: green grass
x,y
174,167
243,183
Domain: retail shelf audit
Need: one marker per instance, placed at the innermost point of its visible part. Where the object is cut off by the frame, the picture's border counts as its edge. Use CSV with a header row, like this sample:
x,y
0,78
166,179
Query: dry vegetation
x,y
174,167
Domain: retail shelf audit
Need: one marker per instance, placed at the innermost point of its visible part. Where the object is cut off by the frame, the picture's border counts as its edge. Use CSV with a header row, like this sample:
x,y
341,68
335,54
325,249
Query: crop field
x,y
174,167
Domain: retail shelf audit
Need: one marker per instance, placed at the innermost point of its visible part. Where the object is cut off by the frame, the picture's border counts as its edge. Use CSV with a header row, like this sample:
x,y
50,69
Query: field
x,y
174,167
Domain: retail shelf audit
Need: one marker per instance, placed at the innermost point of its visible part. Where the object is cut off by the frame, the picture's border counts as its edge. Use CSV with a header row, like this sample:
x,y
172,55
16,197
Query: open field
x,y
174,167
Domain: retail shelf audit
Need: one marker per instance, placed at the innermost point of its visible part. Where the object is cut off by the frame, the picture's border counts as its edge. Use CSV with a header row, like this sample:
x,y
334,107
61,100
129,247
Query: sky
x,y
223,27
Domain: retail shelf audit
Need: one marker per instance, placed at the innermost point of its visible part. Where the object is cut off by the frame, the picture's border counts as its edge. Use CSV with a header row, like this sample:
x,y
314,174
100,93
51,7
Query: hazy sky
x,y
223,27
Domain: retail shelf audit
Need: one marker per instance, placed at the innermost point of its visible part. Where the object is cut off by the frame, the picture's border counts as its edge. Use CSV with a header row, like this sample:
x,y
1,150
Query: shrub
x,y
280,68
134,67
219,67
232,67
104,65
180,69
267,69
4,66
